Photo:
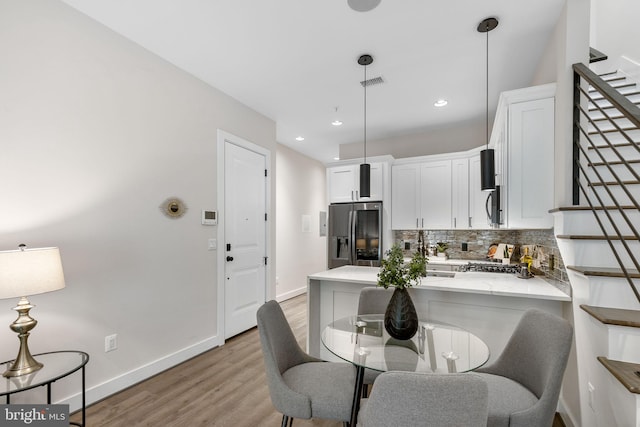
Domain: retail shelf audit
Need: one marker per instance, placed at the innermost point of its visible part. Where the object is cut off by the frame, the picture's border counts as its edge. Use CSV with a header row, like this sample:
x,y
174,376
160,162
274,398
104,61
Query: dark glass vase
x,y
401,319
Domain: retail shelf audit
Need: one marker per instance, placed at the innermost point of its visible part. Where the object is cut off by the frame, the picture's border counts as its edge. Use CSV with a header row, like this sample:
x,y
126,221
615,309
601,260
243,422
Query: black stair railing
x,y
589,158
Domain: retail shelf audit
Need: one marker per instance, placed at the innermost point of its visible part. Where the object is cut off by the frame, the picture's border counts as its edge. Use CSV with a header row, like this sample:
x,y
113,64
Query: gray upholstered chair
x,y
524,382
417,399
301,386
372,300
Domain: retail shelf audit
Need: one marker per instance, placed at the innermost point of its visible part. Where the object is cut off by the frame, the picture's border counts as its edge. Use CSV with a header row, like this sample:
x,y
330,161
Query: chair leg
x,y
285,421
365,391
291,422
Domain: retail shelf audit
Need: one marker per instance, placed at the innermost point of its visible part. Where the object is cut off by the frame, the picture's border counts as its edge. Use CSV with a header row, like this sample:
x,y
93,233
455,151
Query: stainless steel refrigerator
x,y
355,234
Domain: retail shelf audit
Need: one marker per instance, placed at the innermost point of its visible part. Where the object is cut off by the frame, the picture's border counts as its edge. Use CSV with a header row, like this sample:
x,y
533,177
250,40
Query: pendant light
x,y
365,168
487,156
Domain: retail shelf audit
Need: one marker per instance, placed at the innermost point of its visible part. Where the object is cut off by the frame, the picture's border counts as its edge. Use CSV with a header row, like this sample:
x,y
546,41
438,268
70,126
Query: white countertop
x,y
446,261
469,282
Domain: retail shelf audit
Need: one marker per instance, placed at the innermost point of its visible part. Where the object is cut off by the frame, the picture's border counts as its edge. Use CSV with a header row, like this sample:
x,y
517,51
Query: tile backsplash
x,y
547,259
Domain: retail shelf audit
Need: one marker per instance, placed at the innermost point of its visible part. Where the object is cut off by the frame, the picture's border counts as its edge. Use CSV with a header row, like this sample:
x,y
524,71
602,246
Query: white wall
x,y
447,139
300,192
615,30
95,133
571,46
547,67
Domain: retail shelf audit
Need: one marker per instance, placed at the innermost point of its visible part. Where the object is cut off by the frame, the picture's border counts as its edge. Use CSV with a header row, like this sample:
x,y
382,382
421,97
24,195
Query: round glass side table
x,y
57,365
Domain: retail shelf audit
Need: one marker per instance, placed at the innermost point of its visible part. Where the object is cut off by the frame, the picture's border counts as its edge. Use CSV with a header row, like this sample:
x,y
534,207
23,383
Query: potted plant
x,y
442,247
400,318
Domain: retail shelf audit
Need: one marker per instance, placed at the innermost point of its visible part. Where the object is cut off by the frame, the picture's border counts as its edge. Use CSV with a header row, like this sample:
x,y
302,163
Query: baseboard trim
x,y
128,379
565,414
291,294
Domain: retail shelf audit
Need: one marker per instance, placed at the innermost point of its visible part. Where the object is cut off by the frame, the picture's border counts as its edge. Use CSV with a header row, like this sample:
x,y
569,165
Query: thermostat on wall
x,y
209,218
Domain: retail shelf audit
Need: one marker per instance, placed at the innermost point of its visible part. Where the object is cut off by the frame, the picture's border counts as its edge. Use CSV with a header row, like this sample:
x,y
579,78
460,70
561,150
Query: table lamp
x,y
27,272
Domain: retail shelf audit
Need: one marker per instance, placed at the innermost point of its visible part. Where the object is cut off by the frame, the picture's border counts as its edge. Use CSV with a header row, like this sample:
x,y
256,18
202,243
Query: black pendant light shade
x,y
365,180
487,170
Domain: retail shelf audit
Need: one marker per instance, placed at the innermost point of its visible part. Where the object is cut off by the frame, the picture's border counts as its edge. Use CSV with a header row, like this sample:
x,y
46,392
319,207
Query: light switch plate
x,y
213,244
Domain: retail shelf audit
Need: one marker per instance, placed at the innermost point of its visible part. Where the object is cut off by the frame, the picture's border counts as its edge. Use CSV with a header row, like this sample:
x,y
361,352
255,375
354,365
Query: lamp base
x,y
24,362
23,366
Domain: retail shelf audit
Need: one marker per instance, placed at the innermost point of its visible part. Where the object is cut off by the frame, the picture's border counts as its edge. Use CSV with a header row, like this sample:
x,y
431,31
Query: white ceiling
x,y
295,61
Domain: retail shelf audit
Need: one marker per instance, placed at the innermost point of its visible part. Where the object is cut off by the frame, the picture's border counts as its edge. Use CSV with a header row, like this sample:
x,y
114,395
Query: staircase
x,y
599,242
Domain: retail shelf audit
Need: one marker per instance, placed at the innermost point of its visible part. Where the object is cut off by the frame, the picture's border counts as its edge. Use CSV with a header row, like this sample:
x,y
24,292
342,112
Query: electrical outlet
x,y
110,343
592,391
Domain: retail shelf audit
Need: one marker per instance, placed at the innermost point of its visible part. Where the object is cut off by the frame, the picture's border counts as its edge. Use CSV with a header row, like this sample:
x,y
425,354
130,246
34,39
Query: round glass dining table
x,y
436,348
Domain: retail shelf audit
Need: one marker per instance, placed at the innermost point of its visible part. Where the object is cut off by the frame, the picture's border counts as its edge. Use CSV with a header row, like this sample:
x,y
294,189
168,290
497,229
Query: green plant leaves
x,y
394,272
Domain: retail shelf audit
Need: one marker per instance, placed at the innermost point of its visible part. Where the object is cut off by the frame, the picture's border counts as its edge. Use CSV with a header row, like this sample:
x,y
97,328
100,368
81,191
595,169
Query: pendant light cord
x,y
487,97
365,114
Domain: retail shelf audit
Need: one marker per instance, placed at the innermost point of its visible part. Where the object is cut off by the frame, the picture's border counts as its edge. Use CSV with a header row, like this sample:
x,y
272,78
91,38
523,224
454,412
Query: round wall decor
x,y
173,207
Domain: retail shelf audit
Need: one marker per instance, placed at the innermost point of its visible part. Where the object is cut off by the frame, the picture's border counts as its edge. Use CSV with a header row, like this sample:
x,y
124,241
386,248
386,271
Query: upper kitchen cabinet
x,y
525,156
421,195
460,193
436,201
343,183
405,197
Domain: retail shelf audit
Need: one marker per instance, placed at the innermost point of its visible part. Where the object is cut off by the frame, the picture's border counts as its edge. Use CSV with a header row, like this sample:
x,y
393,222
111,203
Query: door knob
x,y
229,258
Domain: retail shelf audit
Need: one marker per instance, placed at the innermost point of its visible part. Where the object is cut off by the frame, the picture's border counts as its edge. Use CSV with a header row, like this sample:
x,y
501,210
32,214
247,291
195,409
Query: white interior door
x,y
245,237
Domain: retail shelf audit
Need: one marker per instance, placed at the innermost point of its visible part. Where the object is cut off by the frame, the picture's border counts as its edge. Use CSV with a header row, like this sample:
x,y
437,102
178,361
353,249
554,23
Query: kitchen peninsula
x,y
487,304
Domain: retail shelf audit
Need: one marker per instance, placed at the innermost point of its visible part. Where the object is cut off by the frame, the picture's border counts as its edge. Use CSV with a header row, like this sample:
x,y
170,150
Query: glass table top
x,y
57,365
436,347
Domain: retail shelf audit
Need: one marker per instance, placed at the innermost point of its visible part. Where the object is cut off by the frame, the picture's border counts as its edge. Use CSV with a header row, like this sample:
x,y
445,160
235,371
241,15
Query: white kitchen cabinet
x,y
405,196
343,183
524,140
443,193
436,195
421,195
460,193
529,164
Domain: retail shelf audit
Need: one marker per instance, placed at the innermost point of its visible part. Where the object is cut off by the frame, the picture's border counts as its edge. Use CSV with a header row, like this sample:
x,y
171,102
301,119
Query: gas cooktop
x,y
490,267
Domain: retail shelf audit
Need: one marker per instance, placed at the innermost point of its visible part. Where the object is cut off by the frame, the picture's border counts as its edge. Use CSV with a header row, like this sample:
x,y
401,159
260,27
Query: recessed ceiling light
x,y
441,103
299,138
336,158
336,123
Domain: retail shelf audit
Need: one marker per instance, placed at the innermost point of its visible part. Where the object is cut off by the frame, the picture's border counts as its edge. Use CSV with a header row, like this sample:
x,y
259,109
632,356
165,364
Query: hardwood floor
x,y
225,386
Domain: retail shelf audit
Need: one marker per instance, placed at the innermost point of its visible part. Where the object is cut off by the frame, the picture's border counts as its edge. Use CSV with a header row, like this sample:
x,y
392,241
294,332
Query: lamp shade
x,y
487,170
30,272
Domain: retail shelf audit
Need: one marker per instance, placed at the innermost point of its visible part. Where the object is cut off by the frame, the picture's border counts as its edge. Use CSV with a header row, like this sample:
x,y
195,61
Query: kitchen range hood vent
x,y
370,82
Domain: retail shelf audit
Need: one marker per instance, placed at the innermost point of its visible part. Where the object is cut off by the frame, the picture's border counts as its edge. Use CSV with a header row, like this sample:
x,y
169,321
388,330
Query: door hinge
x,y
265,260
265,172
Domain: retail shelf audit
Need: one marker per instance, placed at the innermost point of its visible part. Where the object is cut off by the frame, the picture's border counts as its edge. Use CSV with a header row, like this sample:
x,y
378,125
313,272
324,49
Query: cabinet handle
x,y
422,222
416,222
455,222
351,195
357,196
469,222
